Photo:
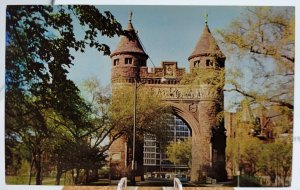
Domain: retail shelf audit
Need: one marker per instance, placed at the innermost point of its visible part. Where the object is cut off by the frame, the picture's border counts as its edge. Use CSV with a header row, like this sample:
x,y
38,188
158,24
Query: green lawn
x,y
23,180
18,180
100,182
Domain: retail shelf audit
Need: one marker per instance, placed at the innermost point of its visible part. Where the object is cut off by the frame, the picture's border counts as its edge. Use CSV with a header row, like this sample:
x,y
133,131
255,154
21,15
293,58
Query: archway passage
x,y
156,163
208,138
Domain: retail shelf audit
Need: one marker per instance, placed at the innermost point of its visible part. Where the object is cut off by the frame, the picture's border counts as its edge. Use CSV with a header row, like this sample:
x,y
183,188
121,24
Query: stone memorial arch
x,y
198,106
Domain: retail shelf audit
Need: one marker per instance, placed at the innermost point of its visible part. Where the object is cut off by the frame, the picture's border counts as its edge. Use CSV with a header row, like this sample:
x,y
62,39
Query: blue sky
x,y
168,33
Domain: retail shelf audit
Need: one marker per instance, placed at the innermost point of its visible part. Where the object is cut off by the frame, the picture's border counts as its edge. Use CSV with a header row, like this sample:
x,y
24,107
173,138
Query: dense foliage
x,y
180,152
265,36
263,43
47,122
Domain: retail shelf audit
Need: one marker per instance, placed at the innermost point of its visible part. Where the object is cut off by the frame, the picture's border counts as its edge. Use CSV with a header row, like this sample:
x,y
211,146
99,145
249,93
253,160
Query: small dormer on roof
x,y
129,44
206,45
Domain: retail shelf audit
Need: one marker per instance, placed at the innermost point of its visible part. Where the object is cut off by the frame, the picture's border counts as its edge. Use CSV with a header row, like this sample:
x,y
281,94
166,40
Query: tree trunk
x,y
285,173
30,171
73,176
58,175
95,174
86,173
65,177
76,181
38,168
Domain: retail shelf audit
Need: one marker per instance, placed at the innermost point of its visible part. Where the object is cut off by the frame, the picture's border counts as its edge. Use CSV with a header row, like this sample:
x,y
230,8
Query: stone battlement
x,y
168,70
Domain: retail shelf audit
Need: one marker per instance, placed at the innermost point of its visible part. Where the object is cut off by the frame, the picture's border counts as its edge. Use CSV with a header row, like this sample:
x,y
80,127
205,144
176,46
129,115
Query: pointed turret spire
x,y
206,44
206,17
130,45
130,16
130,26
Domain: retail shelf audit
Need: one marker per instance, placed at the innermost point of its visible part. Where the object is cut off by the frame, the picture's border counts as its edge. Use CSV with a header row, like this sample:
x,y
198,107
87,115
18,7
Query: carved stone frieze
x,y
171,92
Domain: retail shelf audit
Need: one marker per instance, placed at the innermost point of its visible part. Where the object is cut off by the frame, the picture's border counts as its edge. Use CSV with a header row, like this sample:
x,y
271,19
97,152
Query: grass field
x,y
24,180
17,180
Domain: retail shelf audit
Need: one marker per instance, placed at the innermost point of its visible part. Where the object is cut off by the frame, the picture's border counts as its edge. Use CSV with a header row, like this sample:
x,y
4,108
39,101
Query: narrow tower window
x,y
221,64
207,62
196,63
128,61
116,62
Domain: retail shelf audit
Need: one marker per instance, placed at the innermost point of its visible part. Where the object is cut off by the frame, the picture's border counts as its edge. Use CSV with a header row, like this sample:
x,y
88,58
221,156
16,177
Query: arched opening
x,y
180,111
208,145
179,128
207,148
201,144
156,162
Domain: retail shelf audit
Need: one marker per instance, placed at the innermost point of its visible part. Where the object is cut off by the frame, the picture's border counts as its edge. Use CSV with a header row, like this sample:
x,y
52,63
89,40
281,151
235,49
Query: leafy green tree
x,y
100,102
271,156
180,152
276,159
250,150
203,76
38,44
27,128
151,118
242,152
243,149
82,147
151,112
266,36
214,78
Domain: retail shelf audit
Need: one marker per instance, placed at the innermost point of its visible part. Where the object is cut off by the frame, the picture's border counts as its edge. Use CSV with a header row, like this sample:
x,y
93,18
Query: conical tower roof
x,y
206,45
129,44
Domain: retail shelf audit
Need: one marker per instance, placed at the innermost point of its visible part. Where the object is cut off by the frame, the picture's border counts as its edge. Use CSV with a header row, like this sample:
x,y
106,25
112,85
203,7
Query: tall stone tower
x,y
128,57
207,56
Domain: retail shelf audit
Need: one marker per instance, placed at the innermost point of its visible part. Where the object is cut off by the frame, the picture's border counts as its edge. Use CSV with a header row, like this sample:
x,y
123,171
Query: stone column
x,y
200,157
201,146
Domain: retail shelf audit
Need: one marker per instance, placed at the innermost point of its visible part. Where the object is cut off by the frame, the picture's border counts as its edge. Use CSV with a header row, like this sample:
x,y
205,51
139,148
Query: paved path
x,y
168,188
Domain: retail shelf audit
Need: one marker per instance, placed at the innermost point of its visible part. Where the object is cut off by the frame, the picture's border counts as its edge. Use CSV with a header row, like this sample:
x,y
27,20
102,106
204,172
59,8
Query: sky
x,y
167,33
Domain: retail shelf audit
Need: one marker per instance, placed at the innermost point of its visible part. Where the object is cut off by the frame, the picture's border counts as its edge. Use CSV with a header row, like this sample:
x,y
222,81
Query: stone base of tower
x,y
201,158
209,142
118,159
121,160
203,168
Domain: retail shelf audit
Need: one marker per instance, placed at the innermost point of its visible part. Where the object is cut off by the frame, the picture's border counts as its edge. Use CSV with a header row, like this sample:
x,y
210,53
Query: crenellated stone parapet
x,y
151,75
